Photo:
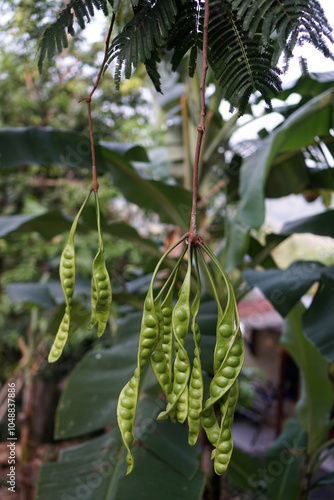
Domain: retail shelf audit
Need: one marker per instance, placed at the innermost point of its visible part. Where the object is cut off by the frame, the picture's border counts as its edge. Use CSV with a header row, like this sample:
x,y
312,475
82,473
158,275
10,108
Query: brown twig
x,y
95,185
193,237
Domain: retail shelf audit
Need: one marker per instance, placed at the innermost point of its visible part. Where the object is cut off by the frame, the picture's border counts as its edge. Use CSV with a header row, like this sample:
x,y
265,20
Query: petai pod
x,y
224,447
101,294
180,322
161,357
149,336
128,398
228,359
165,327
67,279
195,391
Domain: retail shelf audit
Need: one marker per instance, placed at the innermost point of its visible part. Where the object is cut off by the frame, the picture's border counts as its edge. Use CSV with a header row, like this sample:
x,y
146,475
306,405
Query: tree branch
x,y
193,237
95,185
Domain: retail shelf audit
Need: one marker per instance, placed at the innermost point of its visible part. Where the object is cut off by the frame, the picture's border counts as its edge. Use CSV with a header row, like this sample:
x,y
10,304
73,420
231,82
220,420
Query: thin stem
x,y
95,185
193,238
186,148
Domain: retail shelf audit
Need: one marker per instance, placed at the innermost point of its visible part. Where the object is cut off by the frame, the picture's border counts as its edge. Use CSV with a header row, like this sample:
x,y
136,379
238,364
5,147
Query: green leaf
x,y
309,85
72,150
283,461
297,131
318,320
89,401
169,201
284,288
325,480
55,36
45,294
50,224
243,469
320,224
314,405
95,470
35,293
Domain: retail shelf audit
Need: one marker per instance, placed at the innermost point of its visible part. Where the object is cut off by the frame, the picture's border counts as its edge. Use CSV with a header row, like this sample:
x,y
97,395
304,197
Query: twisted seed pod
x,y
180,321
228,370
161,357
158,358
228,360
101,294
67,279
196,379
222,453
128,398
149,336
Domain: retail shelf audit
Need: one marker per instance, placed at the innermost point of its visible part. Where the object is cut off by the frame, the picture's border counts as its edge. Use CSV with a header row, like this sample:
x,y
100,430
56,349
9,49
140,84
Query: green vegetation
x,y
145,203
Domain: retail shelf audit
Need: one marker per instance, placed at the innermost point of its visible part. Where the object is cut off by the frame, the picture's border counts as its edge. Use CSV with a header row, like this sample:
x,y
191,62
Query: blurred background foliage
x,y
144,196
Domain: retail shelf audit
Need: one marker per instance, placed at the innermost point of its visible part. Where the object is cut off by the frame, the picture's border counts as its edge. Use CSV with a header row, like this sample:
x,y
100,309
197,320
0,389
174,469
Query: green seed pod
x,y
161,357
224,445
128,397
180,322
226,374
228,360
196,379
210,424
67,279
150,333
101,294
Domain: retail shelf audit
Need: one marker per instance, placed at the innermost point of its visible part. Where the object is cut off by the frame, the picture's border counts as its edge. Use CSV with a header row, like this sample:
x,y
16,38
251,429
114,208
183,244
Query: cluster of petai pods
x,y
101,295
162,341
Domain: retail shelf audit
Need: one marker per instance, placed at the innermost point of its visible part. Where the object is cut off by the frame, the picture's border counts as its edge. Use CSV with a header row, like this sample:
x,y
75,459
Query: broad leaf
x,y
314,405
325,480
309,85
96,469
72,150
50,224
320,224
318,320
297,131
35,293
284,288
244,470
89,400
283,461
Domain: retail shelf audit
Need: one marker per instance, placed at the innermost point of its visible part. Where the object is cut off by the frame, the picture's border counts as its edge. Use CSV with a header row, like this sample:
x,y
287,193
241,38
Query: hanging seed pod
x,y
150,332
164,326
101,294
196,378
180,321
67,279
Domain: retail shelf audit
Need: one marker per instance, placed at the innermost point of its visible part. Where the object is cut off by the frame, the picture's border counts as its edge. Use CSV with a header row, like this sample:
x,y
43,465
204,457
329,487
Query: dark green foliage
x,y
147,30
293,21
55,36
245,40
186,34
238,64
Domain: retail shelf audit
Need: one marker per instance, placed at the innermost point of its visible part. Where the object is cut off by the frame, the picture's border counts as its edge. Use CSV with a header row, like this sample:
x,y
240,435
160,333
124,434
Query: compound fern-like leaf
x,y
55,36
239,65
186,34
141,37
292,21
